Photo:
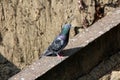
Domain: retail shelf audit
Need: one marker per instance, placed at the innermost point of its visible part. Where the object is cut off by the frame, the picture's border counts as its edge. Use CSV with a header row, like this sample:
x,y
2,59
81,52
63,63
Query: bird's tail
x,y
46,53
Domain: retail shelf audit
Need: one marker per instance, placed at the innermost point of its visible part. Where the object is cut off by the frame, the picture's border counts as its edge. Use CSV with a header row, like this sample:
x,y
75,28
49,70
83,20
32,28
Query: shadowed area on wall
x,y
7,69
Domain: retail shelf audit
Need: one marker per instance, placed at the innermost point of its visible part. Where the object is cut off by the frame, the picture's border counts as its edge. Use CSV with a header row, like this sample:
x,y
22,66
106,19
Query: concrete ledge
x,y
86,49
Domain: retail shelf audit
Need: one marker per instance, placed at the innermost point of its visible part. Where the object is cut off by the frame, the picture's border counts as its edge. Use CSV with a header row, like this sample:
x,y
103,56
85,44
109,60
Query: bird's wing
x,y
57,44
54,47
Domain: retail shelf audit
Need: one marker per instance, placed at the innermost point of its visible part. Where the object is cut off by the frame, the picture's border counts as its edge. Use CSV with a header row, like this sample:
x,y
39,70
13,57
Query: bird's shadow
x,y
69,52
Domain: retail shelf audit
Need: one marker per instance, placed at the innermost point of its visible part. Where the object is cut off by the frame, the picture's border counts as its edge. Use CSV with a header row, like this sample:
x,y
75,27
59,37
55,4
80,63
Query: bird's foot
x,y
59,56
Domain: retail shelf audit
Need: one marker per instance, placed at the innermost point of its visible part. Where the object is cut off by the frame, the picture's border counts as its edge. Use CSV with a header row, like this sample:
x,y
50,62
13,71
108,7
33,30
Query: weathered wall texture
x,y
28,26
88,49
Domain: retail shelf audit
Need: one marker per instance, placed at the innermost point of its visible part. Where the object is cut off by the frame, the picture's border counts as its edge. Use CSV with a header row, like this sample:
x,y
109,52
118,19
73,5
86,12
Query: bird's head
x,y
66,28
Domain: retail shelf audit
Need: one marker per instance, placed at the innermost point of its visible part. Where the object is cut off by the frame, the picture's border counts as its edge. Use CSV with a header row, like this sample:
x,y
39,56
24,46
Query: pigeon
x,y
59,43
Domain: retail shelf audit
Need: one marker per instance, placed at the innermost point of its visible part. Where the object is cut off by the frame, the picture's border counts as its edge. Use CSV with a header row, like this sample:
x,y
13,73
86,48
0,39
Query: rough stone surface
x,y
95,49
115,75
28,26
